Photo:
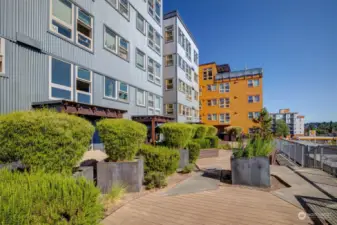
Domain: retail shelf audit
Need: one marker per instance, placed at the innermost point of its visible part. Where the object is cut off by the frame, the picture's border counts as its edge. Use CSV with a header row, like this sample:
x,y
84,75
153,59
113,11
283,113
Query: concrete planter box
x,y
130,174
85,171
208,153
252,172
184,158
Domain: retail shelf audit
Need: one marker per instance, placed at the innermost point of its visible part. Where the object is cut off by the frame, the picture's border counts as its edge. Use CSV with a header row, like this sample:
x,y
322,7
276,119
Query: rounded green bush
x,y
200,131
44,139
45,198
213,140
204,143
159,159
176,135
121,138
211,131
155,179
194,151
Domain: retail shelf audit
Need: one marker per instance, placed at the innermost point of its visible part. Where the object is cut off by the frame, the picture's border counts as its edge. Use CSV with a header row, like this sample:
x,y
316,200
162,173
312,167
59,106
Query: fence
x,y
322,157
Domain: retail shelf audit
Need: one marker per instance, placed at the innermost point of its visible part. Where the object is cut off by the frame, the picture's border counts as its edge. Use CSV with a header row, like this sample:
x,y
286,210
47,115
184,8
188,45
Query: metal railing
x,y
310,155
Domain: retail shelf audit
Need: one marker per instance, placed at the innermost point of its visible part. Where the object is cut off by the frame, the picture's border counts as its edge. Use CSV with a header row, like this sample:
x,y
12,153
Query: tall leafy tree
x,y
263,125
282,129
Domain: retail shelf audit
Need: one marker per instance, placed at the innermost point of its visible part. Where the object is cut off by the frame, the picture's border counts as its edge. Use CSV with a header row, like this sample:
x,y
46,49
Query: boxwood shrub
x,y
211,131
200,131
121,138
159,159
204,143
45,198
44,139
176,135
194,151
213,140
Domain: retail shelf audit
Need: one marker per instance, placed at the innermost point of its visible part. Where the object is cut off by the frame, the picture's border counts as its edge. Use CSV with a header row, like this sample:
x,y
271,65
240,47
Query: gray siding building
x,y
294,120
106,53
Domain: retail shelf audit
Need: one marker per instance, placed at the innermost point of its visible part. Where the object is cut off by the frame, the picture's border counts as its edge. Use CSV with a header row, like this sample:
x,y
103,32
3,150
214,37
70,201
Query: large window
x,y
116,44
83,85
84,29
224,103
140,59
154,69
253,83
157,105
140,96
110,88
140,23
62,14
154,8
168,84
196,58
169,34
214,116
207,74
154,39
253,115
169,109
123,91
169,60
224,118
121,5
180,37
61,81
224,87
253,98
2,55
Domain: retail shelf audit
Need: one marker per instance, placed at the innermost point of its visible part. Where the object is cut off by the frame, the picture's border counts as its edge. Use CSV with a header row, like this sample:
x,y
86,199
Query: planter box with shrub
x,y
122,139
184,158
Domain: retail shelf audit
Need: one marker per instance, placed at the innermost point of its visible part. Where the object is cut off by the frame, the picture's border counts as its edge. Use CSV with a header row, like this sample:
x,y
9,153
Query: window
x,y
154,8
83,86
250,115
250,83
250,99
211,102
257,98
196,58
211,87
256,115
207,74
188,93
228,117
224,102
224,118
169,109
123,91
221,118
157,105
196,77
180,61
180,37
61,81
113,3
140,59
181,109
110,90
224,87
169,84
140,23
196,95
110,43
169,60
253,83
154,71
140,96
169,35
62,12
2,55
150,100
84,29
209,117
122,7
214,102
154,39
214,117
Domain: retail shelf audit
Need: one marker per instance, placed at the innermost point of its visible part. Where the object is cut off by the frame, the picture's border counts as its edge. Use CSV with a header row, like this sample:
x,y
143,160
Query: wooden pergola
x,y
152,121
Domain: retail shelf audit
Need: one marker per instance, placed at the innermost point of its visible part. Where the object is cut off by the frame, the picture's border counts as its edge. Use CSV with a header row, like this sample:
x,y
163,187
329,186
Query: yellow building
x,y
229,98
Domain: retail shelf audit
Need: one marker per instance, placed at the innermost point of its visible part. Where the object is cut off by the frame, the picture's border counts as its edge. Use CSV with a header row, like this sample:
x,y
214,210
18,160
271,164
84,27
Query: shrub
x,y
121,138
194,151
188,168
155,179
255,147
204,143
225,146
211,131
176,135
160,159
44,139
116,192
194,130
213,140
44,198
200,131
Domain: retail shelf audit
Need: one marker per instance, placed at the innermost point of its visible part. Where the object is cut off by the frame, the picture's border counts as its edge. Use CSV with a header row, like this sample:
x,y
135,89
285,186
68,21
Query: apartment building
x,y
230,98
103,53
294,120
180,70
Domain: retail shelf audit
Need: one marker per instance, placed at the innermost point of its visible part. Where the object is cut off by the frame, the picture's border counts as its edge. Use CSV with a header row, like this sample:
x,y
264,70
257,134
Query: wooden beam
x,y
153,131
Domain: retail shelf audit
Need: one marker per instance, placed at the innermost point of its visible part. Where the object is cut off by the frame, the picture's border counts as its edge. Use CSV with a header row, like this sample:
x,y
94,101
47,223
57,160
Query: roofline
x,y
204,64
175,13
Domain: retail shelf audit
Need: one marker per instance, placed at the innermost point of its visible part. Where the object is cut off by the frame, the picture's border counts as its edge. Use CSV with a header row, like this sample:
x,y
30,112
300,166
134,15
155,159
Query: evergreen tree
x,y
263,125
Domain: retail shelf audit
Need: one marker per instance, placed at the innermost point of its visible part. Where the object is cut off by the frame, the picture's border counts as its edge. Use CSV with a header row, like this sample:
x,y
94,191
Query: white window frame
x,y
222,88
144,97
144,59
139,16
166,84
119,90
121,47
156,77
157,110
229,116
213,87
216,117
167,109
3,55
83,24
116,92
254,98
85,81
127,8
152,42
169,60
209,117
222,118
169,29
250,115
116,42
196,77
58,86
52,17
152,8
118,45
148,101
250,83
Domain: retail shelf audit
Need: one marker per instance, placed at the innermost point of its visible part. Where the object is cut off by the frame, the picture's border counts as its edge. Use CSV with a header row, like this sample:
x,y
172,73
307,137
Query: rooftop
x,y
240,73
175,13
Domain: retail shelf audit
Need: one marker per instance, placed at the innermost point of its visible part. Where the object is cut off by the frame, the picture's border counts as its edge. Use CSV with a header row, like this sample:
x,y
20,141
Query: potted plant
x,y
121,139
250,163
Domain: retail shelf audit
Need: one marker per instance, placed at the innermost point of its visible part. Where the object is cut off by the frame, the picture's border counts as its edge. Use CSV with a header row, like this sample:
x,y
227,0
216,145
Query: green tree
x,y
282,129
264,122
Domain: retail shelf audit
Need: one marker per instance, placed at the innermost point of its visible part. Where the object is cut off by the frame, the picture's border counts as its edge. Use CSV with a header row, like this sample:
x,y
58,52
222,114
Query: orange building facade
x,y
229,98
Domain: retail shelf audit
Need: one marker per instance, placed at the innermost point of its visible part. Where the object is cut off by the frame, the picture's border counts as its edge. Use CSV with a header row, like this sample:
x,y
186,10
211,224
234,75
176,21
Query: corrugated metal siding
x,y
27,78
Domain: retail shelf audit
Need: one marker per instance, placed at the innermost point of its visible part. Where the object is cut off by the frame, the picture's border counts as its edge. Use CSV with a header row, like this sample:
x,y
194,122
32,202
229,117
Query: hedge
x,y
194,151
121,138
43,198
211,131
159,159
176,135
204,143
200,131
213,140
44,139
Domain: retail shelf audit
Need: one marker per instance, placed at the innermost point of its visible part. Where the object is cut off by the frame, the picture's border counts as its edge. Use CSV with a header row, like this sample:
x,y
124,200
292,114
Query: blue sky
x,y
294,41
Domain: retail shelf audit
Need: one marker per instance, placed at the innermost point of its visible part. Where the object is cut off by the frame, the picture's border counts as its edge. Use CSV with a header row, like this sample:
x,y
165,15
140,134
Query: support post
x,y
321,157
153,131
302,148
